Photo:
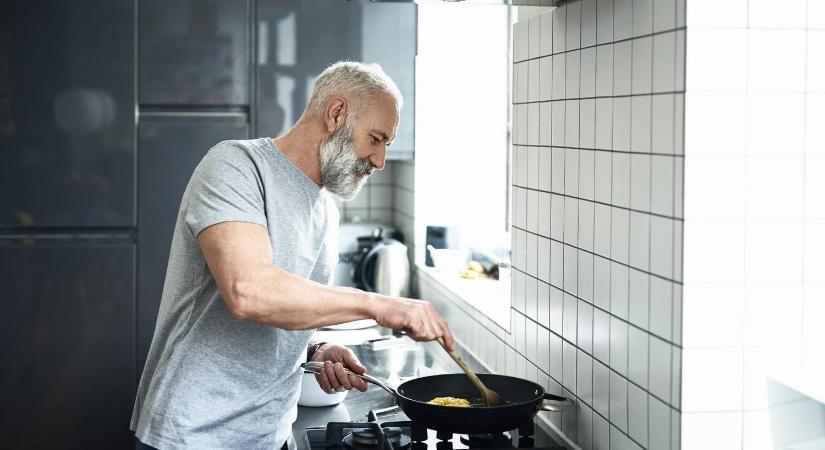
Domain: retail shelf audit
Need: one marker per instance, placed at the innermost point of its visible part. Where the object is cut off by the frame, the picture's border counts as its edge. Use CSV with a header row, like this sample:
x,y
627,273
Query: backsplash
x,y
754,279
375,201
598,100
387,198
403,195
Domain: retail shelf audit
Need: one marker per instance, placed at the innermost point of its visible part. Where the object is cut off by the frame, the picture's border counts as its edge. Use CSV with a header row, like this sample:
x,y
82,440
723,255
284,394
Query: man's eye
x,y
374,140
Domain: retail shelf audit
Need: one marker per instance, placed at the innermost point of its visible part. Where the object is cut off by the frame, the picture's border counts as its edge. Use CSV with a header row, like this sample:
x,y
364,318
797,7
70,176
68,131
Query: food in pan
x,y
450,401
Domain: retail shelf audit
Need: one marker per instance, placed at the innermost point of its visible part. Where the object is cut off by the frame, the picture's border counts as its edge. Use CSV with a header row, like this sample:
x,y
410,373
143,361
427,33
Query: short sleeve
x,y
225,187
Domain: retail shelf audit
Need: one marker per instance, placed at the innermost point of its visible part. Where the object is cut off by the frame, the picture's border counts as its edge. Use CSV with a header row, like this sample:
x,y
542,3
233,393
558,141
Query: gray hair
x,y
355,81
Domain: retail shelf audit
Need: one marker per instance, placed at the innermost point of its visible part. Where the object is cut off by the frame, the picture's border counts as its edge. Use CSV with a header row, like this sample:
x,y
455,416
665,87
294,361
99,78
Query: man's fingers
x,y
424,331
446,334
353,363
358,383
323,381
342,376
448,339
329,371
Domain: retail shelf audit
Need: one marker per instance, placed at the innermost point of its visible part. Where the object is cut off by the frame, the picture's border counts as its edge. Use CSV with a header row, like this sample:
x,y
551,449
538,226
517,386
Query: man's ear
x,y
335,113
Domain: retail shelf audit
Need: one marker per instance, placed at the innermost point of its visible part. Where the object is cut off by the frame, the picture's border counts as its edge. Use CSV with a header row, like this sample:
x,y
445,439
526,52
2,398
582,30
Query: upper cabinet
x,y
67,120
297,40
389,37
193,52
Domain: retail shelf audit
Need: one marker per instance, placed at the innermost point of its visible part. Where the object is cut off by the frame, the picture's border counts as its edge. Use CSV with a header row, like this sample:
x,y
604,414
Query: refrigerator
x,y
67,223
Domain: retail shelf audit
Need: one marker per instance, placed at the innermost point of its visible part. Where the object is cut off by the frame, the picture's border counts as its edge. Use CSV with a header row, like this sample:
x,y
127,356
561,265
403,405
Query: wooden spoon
x,y
491,397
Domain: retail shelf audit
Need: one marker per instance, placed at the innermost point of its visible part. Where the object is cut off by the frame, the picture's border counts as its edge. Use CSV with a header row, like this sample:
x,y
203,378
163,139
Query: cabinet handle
x,y
263,42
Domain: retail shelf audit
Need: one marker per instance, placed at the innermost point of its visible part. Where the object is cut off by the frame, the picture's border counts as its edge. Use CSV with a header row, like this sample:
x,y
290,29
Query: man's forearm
x,y
275,297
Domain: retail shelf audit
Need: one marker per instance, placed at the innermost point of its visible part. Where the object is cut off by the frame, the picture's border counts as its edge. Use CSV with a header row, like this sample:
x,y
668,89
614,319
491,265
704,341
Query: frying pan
x,y
523,399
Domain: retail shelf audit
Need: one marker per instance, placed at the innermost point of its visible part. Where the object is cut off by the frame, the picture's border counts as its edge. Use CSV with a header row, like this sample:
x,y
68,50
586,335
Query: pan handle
x,y
555,403
317,367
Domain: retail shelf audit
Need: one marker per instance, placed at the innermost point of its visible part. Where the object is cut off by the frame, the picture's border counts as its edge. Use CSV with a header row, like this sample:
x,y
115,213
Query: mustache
x,y
363,167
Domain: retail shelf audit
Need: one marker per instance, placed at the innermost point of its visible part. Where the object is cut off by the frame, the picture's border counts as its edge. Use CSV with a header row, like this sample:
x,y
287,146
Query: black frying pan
x,y
523,400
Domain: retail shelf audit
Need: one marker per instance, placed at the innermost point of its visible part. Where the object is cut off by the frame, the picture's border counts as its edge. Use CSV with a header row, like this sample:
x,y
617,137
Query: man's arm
x,y
239,256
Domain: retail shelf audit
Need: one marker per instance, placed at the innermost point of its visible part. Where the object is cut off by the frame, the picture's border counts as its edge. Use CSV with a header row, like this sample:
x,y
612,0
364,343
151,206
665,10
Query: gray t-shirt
x,y
211,381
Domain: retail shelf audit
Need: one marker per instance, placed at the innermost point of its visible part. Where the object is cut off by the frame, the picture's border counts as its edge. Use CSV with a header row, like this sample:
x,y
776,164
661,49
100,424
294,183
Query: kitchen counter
x,y
403,359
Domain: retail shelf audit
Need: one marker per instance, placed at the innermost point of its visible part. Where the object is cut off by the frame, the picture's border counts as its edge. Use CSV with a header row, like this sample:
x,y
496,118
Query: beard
x,y
343,174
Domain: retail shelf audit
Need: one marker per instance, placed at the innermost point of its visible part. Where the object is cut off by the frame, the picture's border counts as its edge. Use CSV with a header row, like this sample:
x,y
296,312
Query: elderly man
x,y
248,277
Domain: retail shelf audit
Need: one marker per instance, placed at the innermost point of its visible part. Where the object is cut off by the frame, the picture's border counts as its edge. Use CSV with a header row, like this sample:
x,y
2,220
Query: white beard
x,y
343,174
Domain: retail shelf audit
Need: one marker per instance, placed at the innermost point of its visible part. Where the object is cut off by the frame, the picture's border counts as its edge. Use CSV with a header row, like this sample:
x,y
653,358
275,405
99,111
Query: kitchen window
x,y
462,135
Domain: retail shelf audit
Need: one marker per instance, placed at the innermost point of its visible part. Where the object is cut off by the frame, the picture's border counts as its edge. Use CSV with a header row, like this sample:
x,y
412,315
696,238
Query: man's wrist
x,y
372,304
312,349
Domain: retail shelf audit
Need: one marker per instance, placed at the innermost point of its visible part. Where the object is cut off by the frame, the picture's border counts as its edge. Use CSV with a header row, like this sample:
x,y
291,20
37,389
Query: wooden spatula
x,y
491,397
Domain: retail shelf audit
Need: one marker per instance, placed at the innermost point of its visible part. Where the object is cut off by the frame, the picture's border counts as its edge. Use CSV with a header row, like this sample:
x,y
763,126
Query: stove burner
x,y
368,438
492,440
403,434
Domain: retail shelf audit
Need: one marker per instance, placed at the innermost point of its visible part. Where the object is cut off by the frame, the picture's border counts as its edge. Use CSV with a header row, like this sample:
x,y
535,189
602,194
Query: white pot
x,y
313,395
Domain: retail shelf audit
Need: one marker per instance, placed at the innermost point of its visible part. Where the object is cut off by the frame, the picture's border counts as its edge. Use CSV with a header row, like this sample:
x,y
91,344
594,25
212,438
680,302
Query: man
x,y
253,251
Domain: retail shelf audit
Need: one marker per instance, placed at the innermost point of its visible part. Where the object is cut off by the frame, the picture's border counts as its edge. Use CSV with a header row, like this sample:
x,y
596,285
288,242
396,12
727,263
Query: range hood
x,y
476,2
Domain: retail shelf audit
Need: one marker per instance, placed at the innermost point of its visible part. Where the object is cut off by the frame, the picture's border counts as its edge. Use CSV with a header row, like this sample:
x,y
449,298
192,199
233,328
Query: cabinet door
x,y
389,37
67,113
169,150
297,40
193,52
67,342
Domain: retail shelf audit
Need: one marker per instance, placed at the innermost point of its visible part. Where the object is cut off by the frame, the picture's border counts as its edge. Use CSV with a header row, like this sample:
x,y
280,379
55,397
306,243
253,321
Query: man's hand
x,y
334,378
417,318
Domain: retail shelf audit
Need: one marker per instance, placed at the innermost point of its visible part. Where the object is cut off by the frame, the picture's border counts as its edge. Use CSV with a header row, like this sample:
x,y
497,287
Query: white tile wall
x,y
747,188
375,202
597,220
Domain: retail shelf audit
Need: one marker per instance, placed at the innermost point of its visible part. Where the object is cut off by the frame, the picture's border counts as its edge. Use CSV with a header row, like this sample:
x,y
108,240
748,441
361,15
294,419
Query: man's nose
x,y
378,158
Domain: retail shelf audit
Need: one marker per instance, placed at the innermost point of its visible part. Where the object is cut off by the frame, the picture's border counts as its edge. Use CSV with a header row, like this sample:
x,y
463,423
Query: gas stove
x,y
390,433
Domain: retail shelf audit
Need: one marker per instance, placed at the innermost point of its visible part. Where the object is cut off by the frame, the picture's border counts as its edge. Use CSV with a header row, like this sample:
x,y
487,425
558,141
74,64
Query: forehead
x,y
380,114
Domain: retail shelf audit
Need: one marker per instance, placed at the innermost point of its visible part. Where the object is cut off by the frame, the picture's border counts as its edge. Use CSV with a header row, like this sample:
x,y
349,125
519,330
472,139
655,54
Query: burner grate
x,y
408,435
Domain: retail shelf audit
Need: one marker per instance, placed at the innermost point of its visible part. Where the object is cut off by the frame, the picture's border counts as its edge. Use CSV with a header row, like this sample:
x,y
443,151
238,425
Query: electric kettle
x,y
383,267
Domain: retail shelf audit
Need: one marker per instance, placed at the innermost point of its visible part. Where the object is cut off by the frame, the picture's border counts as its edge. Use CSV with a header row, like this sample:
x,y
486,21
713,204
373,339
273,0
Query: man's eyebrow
x,y
380,133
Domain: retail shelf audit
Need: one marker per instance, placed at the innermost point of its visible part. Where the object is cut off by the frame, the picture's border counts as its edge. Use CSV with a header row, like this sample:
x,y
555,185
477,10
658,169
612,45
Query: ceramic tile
x,y
604,21
601,335
573,24
601,282
622,67
619,291
621,123
585,276
618,345
637,351
639,244
588,23
570,318
560,29
585,327
642,66
618,402
639,297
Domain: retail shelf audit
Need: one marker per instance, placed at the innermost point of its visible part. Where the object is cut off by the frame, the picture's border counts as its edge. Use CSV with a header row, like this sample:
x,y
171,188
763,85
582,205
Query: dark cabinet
x,y
169,150
67,113
193,52
67,342
297,40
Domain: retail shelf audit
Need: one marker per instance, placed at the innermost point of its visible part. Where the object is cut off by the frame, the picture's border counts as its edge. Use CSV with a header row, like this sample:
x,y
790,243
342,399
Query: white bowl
x,y
313,395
